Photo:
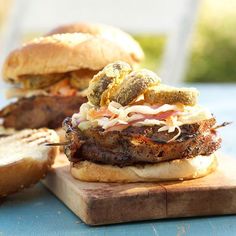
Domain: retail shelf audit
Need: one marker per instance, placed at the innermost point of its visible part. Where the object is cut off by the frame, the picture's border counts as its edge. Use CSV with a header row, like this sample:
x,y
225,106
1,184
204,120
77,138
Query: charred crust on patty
x,y
40,111
138,145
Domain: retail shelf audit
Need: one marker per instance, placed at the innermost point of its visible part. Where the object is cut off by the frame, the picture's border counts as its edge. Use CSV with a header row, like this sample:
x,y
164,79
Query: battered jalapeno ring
x,y
135,84
105,83
40,81
164,94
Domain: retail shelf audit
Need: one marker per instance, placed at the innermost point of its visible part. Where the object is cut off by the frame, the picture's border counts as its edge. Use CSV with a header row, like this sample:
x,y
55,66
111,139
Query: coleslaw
x,y
118,117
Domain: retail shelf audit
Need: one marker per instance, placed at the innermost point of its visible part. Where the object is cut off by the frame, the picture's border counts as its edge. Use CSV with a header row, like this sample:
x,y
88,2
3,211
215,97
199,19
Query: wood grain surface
x,y
102,203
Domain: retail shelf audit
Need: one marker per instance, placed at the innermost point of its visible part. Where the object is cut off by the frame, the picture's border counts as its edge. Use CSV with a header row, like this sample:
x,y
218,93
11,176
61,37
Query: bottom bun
x,y
181,169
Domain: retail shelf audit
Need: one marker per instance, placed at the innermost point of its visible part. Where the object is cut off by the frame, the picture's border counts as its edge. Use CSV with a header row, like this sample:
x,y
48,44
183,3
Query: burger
x,y
135,129
107,32
49,75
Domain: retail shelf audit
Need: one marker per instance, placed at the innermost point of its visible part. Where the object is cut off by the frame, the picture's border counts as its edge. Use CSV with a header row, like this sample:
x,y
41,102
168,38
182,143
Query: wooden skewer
x,y
222,125
57,144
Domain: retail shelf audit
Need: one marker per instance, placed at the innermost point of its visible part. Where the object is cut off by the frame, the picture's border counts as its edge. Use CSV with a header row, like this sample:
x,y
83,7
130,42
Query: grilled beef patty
x,y
40,111
136,145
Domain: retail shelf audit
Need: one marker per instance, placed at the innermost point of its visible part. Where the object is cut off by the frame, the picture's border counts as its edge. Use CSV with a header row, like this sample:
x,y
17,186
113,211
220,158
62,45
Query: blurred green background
x,y
212,56
213,48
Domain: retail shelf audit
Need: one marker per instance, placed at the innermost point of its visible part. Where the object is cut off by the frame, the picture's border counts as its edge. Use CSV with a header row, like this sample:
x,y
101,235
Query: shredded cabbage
x,y
141,115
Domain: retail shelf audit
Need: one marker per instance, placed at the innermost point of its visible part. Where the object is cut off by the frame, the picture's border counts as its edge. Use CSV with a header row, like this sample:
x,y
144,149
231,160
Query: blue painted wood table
x,y
37,212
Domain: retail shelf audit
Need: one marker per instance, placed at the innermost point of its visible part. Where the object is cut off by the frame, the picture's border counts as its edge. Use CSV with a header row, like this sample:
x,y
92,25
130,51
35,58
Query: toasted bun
x,y
6,131
24,159
108,32
173,170
62,53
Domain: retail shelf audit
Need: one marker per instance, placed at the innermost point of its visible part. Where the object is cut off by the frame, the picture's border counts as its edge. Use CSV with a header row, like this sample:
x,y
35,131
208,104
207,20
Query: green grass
x,y
212,56
153,47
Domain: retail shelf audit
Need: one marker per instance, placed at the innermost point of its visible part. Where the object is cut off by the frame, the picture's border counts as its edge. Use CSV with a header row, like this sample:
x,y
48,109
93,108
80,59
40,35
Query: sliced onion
x,y
144,109
114,107
136,117
149,122
119,127
169,116
176,136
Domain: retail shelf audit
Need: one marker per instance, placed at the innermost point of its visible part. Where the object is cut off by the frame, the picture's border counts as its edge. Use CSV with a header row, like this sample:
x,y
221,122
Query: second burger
x,y
49,75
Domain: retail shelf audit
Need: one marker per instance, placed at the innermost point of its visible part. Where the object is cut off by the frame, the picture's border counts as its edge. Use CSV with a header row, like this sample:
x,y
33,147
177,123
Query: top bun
x,y
62,53
108,32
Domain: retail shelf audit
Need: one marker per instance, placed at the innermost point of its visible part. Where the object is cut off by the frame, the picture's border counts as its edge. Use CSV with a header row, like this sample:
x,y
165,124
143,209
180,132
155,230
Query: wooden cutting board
x,y
101,203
